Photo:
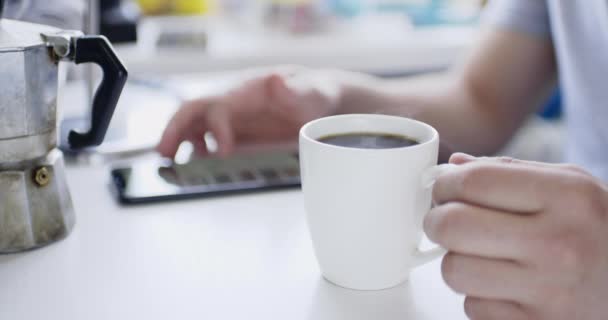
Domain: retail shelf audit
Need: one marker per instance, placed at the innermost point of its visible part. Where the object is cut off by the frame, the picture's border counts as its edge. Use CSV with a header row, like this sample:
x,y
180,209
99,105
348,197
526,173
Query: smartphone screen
x,y
151,181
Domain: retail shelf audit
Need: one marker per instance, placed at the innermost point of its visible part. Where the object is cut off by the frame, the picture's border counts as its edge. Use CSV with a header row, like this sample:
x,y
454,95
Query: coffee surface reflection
x,y
367,140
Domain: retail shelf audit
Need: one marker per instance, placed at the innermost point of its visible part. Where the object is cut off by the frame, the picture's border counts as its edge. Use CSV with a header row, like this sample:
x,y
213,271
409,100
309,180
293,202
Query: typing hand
x,y
267,109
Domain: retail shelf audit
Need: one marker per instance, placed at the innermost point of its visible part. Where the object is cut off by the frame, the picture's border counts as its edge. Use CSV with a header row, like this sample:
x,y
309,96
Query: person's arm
x,y
476,108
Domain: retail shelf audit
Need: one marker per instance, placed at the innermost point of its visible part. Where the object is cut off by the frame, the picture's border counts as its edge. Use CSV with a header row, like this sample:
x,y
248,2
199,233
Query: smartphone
x,y
154,181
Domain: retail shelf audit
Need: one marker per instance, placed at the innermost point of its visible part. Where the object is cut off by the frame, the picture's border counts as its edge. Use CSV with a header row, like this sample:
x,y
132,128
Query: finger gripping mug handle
x,y
431,174
425,256
428,181
98,50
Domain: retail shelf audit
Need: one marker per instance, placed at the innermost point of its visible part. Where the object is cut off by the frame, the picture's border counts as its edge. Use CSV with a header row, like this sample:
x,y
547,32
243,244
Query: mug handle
x,y
428,181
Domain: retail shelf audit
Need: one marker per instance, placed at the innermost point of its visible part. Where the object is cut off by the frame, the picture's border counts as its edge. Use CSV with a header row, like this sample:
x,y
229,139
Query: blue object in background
x,y
435,12
346,8
553,108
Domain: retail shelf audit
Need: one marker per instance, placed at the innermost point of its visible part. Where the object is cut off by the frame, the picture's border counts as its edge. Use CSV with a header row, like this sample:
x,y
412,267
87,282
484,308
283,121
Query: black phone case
x,y
193,193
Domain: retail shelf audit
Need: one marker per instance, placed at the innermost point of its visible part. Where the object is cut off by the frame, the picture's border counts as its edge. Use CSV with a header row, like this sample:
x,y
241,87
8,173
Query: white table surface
x,y
241,257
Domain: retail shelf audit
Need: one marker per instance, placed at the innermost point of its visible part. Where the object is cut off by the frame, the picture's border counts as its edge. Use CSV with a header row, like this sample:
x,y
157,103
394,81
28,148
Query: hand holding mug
x,y
526,240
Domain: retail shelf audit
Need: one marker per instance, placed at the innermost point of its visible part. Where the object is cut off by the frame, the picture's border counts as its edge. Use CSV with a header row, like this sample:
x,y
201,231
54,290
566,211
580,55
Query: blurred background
x,y
176,36
181,49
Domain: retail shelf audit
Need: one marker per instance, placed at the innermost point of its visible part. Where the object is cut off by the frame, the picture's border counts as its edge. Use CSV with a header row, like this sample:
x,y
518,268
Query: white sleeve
x,y
527,16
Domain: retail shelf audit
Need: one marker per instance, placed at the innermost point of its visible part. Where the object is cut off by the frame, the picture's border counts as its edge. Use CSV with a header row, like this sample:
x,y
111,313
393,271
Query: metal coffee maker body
x,y
35,203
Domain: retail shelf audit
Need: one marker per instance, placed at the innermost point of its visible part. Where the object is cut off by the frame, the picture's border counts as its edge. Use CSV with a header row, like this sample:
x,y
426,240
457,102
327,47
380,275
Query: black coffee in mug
x,y
368,140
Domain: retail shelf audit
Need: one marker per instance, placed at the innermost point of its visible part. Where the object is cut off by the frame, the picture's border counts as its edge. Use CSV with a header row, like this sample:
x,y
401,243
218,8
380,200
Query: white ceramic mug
x,y
365,207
